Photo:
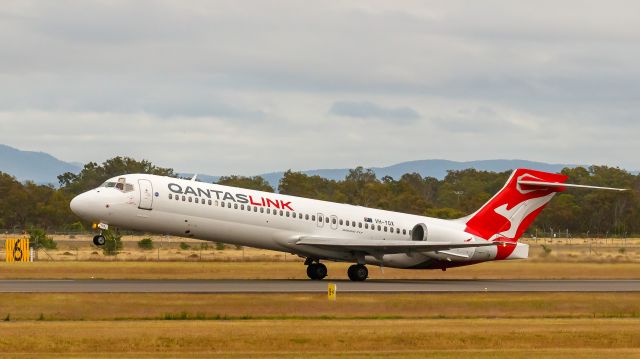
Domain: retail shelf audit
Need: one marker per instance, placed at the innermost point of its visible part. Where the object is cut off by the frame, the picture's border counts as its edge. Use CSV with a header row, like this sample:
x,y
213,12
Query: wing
x,y
387,247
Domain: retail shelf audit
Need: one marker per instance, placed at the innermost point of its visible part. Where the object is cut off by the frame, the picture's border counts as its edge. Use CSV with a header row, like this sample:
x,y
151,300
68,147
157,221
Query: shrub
x,y
184,246
219,246
547,249
113,242
38,239
145,243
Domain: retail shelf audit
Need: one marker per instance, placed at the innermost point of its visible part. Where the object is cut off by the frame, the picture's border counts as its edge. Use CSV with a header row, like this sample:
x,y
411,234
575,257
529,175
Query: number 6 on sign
x,y
332,291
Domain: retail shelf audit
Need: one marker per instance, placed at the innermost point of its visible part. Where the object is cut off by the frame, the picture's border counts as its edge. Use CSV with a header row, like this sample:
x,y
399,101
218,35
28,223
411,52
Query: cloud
x,y
365,109
250,87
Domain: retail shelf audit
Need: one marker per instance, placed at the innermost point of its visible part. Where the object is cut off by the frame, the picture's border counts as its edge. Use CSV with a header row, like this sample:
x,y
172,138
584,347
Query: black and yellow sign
x,y
331,291
17,250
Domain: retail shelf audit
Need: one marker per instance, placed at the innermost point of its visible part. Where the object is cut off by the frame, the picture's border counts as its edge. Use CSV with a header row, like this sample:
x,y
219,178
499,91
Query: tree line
x,y
580,212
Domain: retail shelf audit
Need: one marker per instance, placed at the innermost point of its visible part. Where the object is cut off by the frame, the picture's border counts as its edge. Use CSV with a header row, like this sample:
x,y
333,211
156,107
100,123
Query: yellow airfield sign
x,y
17,250
331,292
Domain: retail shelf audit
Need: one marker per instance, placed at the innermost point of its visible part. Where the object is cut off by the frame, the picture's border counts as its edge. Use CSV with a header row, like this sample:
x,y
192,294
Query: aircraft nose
x,y
80,204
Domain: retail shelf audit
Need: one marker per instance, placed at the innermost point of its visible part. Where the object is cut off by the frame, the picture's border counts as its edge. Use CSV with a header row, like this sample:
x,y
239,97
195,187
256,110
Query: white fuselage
x,y
272,221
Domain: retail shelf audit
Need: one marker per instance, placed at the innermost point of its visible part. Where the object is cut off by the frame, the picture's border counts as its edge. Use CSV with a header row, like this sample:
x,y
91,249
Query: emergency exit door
x,y
146,194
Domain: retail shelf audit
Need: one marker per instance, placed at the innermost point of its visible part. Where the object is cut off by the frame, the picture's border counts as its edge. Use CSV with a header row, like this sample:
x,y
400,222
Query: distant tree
x,y
184,246
315,187
145,243
257,183
92,175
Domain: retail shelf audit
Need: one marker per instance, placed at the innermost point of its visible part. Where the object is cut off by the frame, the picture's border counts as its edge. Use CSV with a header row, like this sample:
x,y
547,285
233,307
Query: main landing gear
x,y
315,270
358,272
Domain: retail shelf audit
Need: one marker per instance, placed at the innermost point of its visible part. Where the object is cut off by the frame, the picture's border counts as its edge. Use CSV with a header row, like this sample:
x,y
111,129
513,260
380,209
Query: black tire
x,y
99,240
316,271
358,273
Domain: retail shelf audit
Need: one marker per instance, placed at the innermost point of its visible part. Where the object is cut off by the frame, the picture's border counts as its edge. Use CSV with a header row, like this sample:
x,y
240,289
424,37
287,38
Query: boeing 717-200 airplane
x,y
320,230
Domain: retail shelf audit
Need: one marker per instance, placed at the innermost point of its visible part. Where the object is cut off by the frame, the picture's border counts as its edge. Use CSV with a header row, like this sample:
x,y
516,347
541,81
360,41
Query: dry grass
x,y
405,337
296,270
141,306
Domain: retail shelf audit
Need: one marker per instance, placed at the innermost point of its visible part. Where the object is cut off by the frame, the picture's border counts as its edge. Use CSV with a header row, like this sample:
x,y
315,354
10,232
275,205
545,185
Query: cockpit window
x,y
121,185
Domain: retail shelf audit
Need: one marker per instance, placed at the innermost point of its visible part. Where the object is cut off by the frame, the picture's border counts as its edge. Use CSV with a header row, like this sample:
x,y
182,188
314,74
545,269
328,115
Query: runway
x,y
309,286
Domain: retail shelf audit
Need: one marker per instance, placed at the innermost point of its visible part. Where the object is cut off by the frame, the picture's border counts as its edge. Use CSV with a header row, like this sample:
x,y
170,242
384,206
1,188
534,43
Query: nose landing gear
x,y
99,240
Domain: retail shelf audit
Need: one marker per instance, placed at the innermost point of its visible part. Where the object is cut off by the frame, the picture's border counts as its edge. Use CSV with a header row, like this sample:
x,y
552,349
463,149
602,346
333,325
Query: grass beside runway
x,y
296,270
306,306
407,325
499,338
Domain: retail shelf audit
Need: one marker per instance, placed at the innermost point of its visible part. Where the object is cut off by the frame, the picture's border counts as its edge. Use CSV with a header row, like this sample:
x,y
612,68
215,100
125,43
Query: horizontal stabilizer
x,y
387,247
564,185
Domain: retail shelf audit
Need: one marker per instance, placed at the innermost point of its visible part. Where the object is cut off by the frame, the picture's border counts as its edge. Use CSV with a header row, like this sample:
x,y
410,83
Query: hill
x,y
39,167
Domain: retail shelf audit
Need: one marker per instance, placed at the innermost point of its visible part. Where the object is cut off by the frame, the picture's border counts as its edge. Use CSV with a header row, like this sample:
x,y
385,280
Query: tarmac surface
x,y
309,286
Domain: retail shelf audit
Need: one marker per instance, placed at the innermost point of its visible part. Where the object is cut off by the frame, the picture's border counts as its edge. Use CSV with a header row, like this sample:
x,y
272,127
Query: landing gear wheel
x,y
358,273
316,271
99,240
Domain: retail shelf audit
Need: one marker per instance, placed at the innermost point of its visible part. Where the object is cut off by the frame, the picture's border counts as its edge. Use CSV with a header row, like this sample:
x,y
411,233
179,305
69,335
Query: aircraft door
x,y
320,220
146,194
334,222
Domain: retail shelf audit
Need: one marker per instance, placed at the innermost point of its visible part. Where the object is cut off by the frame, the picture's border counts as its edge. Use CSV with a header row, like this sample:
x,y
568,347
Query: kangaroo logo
x,y
508,214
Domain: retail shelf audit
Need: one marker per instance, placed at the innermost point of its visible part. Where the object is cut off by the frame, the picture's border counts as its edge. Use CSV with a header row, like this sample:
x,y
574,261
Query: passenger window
x,y
196,200
190,199
385,228
211,202
228,204
281,212
327,220
306,217
170,196
255,209
287,213
300,215
313,217
261,210
379,228
268,210
177,198
359,224
366,226
398,230
184,198
242,207
216,202
404,231
340,222
235,206
353,223
334,221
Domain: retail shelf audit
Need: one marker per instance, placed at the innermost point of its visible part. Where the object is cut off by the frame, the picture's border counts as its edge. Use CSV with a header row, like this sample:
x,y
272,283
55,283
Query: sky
x,y
247,87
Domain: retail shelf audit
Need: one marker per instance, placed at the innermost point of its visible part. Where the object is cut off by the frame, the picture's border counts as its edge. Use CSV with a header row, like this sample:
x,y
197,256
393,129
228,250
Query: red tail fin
x,y
510,212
